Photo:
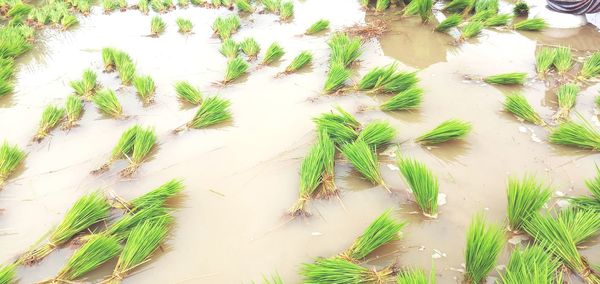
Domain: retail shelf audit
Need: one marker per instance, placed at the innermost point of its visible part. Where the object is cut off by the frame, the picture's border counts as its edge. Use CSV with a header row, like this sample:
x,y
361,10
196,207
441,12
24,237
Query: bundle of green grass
x,y
423,8
86,87
342,127
135,145
212,111
451,129
108,104
152,199
11,157
566,95
387,79
188,93
317,27
591,203
518,105
525,199
514,78
582,135
224,27
121,61
235,69
145,88
484,244
364,159
422,183
51,117
591,67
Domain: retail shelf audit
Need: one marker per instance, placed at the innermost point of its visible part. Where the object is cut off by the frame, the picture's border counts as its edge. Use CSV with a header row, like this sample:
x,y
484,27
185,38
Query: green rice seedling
x,y
318,26
122,227
183,3
87,258
460,6
448,23
225,27
7,68
582,135
582,224
328,187
184,25
186,92
51,116
481,16
518,105
157,26
563,59
533,24
382,5
123,149
303,59
387,79
244,6
271,6
484,243
19,10
8,274
158,6
364,3
126,72
364,160
216,3
86,86
532,264
273,53
286,10
341,271
342,128
109,5
311,175
229,48
566,95
382,230
486,5
377,133
68,21
525,198
250,47
6,87
275,279
143,240
86,211
515,78
235,68
108,58
589,202
423,184
212,111
344,49
471,30
73,110
157,196
10,158
408,99
591,67
415,276
144,85
13,42
448,130
336,77
145,140
143,6
497,20
521,9
423,8
107,103
122,5
544,60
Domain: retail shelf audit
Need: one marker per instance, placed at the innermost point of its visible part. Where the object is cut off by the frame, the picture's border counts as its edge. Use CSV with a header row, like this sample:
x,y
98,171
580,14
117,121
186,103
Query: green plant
x,y
563,59
448,23
68,21
311,175
336,77
144,142
108,58
86,86
304,58
73,109
582,224
460,6
340,271
387,79
341,128
382,230
183,3
377,133
144,85
530,265
235,68
7,68
525,198
566,95
225,27
250,47
87,258
497,20
484,243
8,273
184,25
533,24
107,103
10,158
328,187
157,26
521,9
229,48
143,6
286,10
344,49
591,67
445,131
51,116
318,26
589,202
273,53
482,16
364,160
544,60
213,110
13,42
415,276
514,78
470,30
486,5
19,10
126,72
518,105
185,91
156,197
109,5
408,99
382,5
244,6
423,184
271,6
582,135
423,8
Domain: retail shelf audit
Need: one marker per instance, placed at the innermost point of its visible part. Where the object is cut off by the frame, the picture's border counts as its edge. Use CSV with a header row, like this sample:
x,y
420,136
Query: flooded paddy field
x,y
241,177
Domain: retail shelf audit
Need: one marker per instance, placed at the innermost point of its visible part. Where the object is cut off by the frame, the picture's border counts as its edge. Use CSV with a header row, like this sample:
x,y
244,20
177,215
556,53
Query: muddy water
x,y
242,177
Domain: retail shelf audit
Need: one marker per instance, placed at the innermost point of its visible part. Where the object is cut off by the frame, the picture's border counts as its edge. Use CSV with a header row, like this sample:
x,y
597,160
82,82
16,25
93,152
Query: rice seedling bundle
x,y
157,26
364,3
235,68
273,53
107,103
342,128
184,25
250,47
481,16
582,224
286,10
471,30
563,59
124,146
7,68
448,23
340,271
521,9
108,58
183,3
419,7
143,6
13,42
225,27
185,91
212,111
86,211
158,6
73,109
582,135
311,174
327,145
591,202
532,264
377,133
382,230
86,86
144,85
423,184
244,6
6,88
68,21
514,78
8,274
525,198
362,157
126,72
122,227
156,197
271,6
382,5
229,48
336,77
497,20
408,99
591,67
534,24
344,49
318,26
109,5
216,3
566,95
484,243
19,10
51,116
122,5
387,79
10,158
486,5
544,60
459,6
145,140
303,59
518,105
448,130
143,240
415,276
